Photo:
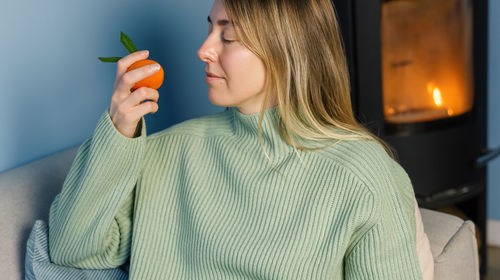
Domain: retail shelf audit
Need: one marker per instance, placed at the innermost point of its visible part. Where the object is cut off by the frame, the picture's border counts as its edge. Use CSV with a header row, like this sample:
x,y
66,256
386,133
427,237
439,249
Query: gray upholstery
x,y
453,245
27,192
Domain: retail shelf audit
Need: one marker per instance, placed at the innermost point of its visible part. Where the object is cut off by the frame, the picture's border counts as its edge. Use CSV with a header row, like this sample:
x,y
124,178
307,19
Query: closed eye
x,y
223,40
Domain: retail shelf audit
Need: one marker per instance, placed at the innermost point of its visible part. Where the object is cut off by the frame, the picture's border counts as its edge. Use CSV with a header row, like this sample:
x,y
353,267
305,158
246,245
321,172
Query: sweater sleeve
x,y
387,248
90,220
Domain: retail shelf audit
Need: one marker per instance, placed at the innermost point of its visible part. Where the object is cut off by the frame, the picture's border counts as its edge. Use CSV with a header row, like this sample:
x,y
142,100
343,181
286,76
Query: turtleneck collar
x,y
246,128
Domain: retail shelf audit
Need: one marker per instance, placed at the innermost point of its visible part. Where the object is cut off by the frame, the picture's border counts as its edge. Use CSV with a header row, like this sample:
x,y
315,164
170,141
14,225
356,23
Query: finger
x,y
129,79
140,95
143,109
124,63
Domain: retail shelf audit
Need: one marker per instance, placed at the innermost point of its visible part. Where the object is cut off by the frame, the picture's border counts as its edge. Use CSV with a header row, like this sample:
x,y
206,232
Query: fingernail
x,y
145,52
155,67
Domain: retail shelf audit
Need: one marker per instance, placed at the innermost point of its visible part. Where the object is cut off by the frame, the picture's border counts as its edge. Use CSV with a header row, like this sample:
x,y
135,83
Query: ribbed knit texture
x,y
199,200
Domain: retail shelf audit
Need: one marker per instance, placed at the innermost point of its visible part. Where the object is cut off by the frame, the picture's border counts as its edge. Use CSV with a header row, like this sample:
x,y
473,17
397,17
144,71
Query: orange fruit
x,y
154,81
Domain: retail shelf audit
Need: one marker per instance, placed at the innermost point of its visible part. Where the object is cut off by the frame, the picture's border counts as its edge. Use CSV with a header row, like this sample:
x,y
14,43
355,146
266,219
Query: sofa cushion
x,y
38,265
452,241
425,258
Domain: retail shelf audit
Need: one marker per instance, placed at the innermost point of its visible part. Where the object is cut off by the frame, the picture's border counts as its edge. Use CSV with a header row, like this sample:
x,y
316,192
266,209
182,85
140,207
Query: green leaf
x,y
109,59
127,42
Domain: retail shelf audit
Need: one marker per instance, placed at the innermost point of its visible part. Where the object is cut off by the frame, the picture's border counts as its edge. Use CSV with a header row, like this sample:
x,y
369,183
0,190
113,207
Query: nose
x,y
207,52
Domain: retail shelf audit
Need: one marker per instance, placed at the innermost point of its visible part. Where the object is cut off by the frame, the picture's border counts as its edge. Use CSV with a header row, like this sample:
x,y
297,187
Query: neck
x,y
246,127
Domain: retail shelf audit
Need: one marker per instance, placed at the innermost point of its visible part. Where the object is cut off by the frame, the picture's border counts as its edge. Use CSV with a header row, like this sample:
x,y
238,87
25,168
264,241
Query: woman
x,y
284,184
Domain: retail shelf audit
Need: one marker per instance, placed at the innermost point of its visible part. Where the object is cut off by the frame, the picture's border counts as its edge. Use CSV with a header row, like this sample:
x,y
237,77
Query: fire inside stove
x,y
427,60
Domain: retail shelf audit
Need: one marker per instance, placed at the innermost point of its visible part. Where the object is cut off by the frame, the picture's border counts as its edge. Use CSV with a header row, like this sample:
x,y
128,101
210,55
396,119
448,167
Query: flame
x,y
438,99
436,94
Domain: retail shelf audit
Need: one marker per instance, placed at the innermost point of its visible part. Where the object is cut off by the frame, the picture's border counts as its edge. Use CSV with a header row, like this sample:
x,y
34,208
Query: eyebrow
x,y
221,22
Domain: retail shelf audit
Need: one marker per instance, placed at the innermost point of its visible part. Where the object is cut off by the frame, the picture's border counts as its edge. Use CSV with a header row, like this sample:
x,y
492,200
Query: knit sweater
x,y
200,200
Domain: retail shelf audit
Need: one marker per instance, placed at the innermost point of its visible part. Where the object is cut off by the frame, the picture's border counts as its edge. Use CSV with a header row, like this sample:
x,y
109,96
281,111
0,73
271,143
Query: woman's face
x,y
242,72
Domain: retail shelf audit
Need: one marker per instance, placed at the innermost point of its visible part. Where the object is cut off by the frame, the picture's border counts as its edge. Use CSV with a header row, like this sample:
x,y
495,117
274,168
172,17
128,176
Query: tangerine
x,y
154,81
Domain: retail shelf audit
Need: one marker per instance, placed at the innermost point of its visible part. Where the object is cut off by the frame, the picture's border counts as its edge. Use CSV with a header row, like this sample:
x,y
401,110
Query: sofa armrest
x,y
26,194
453,245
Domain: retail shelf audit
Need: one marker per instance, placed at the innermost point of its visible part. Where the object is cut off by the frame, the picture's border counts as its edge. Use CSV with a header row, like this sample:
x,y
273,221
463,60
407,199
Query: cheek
x,y
245,72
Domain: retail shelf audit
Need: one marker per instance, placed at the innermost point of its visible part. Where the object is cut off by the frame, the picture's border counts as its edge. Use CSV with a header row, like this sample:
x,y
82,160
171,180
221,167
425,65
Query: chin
x,y
217,100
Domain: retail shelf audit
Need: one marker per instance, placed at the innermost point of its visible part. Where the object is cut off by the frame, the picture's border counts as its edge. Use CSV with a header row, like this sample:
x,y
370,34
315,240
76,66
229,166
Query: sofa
x,y
27,192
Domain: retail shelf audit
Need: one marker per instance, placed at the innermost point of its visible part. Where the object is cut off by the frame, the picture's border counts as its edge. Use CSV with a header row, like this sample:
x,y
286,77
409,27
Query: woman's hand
x,y
127,107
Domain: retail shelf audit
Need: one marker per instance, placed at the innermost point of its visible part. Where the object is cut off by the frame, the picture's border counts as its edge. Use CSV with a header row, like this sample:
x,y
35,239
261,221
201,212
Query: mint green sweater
x,y
199,200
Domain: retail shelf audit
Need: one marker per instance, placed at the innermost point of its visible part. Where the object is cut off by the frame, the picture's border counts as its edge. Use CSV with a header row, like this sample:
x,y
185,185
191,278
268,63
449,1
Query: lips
x,y
209,74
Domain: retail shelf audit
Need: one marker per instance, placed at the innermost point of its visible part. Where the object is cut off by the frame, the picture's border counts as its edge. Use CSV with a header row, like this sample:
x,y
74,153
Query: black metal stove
x,y
419,81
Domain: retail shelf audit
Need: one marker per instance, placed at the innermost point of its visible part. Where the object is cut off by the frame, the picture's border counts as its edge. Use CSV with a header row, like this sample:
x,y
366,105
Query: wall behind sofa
x,y
53,87
493,211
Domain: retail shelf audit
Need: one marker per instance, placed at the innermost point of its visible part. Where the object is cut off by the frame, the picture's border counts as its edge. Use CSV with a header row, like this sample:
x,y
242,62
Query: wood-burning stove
x,y
418,74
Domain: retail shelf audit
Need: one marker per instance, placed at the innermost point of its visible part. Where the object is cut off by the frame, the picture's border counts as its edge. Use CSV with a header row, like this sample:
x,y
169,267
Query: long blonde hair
x,y
300,44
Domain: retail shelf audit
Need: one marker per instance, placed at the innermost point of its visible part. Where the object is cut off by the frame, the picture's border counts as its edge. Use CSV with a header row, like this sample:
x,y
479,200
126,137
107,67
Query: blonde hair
x,y
300,45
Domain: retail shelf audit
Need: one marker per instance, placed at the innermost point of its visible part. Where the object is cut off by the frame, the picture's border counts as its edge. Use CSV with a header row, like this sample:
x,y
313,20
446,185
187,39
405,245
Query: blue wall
x,y
494,108
53,88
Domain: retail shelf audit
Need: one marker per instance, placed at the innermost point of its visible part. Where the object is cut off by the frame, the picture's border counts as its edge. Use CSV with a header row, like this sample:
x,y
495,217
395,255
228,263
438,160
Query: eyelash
x,y
224,40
